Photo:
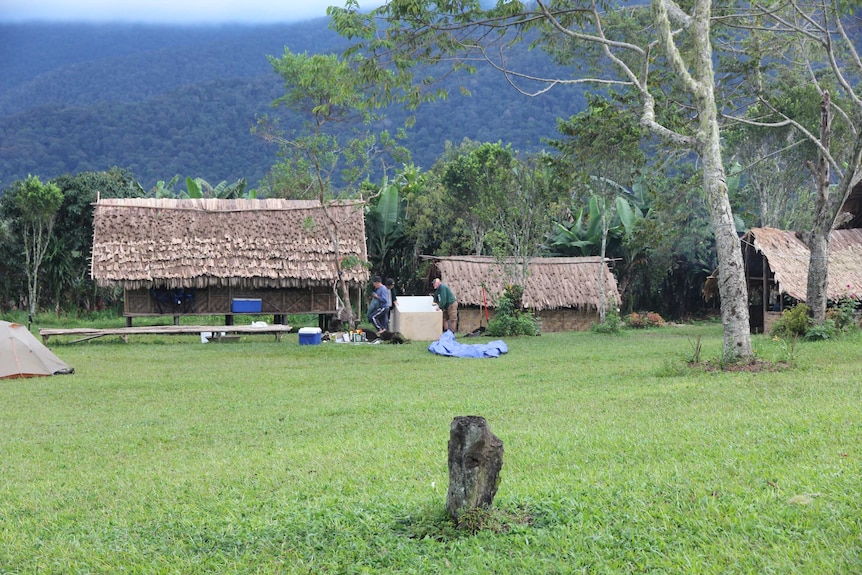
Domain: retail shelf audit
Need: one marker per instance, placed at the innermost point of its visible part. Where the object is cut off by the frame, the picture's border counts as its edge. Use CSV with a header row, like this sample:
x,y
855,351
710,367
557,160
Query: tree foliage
x,y
32,207
403,35
67,281
337,145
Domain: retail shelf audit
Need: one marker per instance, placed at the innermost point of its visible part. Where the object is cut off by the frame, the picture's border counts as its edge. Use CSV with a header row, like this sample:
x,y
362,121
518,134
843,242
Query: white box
x,y
416,319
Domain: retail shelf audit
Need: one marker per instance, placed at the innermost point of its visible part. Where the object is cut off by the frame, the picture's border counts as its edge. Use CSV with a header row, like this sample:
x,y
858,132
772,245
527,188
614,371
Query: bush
x,y
821,332
654,320
794,322
509,319
843,312
610,325
649,319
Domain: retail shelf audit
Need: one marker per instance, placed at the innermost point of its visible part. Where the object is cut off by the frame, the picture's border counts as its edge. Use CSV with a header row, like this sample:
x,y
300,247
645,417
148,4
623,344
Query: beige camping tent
x,y
22,355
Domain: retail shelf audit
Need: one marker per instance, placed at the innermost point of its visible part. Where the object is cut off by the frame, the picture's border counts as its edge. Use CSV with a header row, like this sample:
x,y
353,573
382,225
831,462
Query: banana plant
x,y
385,222
583,236
200,188
573,238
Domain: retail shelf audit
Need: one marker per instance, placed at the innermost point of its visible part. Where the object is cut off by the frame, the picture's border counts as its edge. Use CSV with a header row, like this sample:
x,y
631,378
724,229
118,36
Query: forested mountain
x,y
162,101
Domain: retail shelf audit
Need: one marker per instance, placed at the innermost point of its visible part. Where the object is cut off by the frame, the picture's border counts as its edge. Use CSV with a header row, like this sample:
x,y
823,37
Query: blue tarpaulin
x,y
447,345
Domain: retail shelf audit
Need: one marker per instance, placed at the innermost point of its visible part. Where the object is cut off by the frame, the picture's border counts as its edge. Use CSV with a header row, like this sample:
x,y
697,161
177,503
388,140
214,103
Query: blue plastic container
x,y
309,336
245,305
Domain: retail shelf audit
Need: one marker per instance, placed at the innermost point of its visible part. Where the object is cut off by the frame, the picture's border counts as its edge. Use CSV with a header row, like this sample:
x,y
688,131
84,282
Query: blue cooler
x,y
245,305
309,336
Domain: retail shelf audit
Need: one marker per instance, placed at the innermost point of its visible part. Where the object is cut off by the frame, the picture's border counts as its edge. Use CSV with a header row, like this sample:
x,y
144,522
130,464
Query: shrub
x,y
649,319
843,312
820,332
610,325
654,320
794,322
509,319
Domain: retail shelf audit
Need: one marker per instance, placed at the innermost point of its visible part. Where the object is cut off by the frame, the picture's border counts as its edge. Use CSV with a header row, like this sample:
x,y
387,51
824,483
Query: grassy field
x,y
164,455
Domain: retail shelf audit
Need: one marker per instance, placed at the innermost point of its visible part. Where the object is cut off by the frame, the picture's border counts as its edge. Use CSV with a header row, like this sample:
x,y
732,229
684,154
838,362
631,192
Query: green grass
x,y
164,455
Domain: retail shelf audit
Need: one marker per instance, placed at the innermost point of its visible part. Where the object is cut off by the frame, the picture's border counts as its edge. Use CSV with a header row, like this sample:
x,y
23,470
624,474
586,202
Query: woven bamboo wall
x,y
217,301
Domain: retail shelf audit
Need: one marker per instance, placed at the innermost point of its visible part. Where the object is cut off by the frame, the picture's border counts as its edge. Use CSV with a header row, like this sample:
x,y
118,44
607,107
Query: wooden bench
x,y
87,333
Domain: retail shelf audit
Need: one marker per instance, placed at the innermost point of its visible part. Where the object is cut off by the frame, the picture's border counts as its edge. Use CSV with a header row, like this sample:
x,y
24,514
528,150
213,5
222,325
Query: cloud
x,y
164,11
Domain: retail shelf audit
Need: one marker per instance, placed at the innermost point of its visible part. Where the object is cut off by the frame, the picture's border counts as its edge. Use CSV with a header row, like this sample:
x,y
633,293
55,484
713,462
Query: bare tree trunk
x,y
36,238
345,314
818,239
731,270
603,305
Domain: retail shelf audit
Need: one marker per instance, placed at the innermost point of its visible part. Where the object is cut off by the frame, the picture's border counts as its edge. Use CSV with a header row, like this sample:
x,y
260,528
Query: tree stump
x,y
475,460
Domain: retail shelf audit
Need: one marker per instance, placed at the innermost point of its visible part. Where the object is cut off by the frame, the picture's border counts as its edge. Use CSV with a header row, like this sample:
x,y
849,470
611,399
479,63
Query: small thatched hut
x,y
563,292
208,256
776,268
853,207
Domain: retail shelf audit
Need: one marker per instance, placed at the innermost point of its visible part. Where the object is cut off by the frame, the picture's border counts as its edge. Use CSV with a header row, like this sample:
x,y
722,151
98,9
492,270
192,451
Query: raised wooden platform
x,y
230,331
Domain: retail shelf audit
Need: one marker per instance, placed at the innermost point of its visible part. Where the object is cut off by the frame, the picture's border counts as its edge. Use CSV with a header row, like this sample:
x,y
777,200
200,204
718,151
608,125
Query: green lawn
x,y
164,455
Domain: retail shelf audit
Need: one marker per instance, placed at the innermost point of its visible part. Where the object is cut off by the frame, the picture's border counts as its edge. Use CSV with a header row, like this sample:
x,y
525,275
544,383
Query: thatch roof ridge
x,y
513,260
166,242
552,283
219,204
788,258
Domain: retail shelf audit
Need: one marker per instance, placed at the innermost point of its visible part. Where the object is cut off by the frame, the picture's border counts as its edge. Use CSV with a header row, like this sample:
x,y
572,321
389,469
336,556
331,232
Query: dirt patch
x,y
753,366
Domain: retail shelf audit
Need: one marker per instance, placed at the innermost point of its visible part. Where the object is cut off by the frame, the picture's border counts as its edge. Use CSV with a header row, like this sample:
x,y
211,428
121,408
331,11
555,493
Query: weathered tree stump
x,y
475,460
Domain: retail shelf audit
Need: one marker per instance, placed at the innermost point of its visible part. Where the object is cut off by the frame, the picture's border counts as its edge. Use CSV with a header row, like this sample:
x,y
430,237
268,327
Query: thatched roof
x,y
853,207
788,258
147,242
552,283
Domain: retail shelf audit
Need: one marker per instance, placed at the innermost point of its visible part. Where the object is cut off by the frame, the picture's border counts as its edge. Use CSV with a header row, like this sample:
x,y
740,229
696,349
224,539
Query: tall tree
x,y
336,147
818,41
525,214
33,207
68,259
420,32
476,179
603,146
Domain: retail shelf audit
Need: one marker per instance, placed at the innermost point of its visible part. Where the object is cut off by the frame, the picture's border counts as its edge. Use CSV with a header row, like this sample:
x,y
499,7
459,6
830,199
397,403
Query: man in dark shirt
x,y
445,300
380,316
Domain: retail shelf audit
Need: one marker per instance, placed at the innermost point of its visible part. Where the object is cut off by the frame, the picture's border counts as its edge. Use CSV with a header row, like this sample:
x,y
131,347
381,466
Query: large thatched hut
x,y
563,292
221,257
776,268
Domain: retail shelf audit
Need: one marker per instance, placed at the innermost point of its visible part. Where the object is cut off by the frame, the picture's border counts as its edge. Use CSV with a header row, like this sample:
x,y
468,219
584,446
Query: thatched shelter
x,y
776,267
202,256
563,292
853,207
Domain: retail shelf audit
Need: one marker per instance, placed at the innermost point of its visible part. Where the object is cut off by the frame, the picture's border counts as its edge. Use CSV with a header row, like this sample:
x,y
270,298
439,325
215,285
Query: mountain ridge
x,y
164,100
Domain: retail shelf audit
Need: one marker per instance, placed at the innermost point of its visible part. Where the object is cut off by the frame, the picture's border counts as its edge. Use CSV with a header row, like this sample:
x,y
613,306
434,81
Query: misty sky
x,y
165,11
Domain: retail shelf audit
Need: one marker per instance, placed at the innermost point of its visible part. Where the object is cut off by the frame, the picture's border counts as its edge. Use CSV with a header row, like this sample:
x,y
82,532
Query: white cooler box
x,y
415,318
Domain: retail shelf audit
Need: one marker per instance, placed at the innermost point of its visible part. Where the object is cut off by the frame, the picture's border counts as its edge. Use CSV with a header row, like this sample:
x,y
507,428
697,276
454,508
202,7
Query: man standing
x,y
380,316
393,300
445,300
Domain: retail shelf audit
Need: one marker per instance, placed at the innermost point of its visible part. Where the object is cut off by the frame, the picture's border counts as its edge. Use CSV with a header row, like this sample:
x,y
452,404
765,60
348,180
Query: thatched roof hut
x,y
569,286
786,257
853,207
198,243
213,257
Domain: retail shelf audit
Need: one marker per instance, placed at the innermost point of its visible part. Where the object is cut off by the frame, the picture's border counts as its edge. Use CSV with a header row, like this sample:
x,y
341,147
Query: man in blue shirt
x,y
380,316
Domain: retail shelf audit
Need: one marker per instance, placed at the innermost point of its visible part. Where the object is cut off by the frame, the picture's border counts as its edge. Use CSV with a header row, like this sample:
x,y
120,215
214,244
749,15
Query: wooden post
x,y
475,460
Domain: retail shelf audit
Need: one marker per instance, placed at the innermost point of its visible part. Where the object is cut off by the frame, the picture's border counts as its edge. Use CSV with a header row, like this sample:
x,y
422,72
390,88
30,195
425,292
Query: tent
x,y
22,355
